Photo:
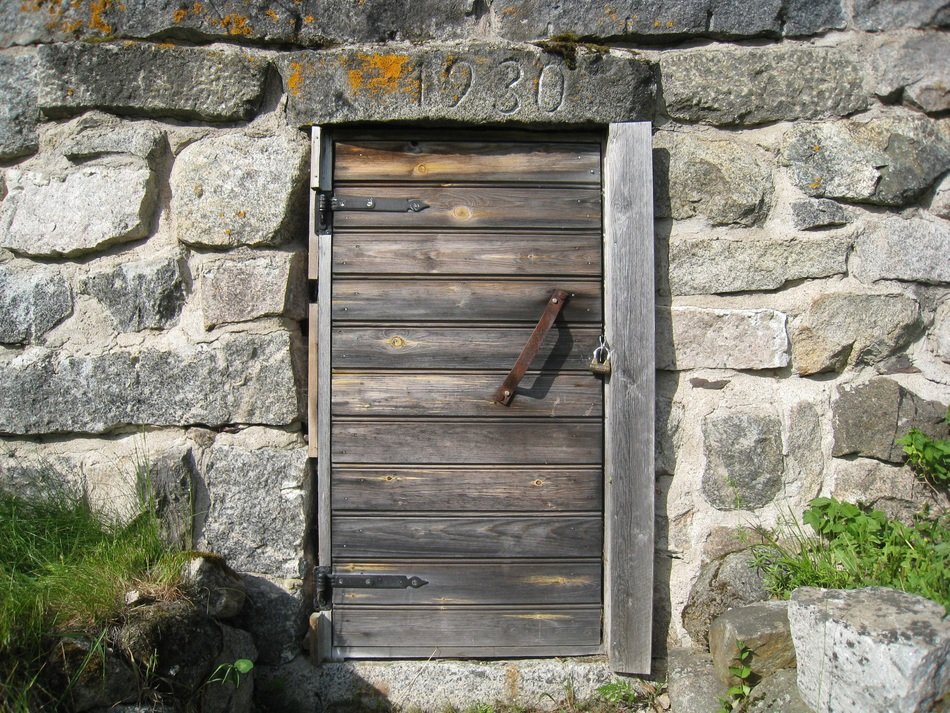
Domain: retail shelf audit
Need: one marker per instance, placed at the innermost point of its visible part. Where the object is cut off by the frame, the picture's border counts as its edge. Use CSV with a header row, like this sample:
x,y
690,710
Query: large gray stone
x,y
763,628
257,529
867,418
753,261
97,134
697,337
239,378
883,161
877,15
737,86
903,249
144,79
76,211
939,203
914,70
18,111
247,286
818,213
215,588
895,490
843,329
275,615
777,694
723,180
237,189
230,691
170,485
723,584
940,332
475,83
33,300
87,674
692,682
810,17
146,294
744,462
873,649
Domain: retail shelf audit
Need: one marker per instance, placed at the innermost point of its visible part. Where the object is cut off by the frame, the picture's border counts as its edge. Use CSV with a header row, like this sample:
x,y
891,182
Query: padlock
x,y
600,361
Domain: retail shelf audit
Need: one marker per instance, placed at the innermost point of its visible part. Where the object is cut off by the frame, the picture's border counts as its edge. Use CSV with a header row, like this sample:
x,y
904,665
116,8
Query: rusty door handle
x,y
555,304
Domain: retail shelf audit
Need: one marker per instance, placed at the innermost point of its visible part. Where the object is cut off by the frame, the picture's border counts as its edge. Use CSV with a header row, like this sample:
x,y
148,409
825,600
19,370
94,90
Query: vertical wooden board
x,y
629,396
313,380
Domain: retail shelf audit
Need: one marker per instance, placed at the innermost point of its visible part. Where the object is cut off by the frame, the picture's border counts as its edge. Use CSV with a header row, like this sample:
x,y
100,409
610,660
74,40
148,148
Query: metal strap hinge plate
x,y
325,582
327,203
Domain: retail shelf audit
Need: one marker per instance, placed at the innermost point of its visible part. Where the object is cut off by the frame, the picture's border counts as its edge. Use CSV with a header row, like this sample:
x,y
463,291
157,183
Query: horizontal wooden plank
x,y
551,582
396,442
462,394
445,300
477,207
567,346
434,627
457,161
463,652
467,254
530,536
485,489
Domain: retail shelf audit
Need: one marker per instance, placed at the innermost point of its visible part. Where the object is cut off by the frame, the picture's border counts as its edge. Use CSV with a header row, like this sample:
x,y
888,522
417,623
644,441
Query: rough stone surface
x,y
763,628
744,461
215,588
737,86
777,694
274,614
883,161
726,181
237,379
940,202
147,79
48,214
877,15
758,261
257,529
895,411
940,333
692,682
697,337
18,111
244,287
873,649
225,696
820,213
146,294
171,478
88,676
477,83
33,300
914,70
239,190
896,491
844,329
723,584
98,134
903,249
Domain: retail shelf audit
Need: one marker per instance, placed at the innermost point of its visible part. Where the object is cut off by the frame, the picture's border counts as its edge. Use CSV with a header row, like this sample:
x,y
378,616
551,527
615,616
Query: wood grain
x,y
445,253
472,442
552,582
458,161
568,346
472,628
485,489
445,300
462,394
477,207
525,536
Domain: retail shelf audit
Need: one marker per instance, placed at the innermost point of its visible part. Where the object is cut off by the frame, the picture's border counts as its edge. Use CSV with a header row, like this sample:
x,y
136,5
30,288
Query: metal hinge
x,y
326,203
325,582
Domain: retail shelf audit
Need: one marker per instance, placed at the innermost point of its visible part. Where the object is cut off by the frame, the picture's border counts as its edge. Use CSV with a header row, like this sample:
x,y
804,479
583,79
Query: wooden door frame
x,y
629,394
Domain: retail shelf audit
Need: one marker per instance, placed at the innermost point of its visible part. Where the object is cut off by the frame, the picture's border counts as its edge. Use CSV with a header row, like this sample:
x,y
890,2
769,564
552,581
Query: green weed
x,y
929,457
738,692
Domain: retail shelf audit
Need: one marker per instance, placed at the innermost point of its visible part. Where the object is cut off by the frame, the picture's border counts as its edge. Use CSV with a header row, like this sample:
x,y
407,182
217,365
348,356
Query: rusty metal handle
x,y
506,391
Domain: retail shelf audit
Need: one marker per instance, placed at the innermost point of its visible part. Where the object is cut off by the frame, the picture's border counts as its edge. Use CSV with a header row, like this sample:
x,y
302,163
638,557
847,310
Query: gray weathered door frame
x,y
628,395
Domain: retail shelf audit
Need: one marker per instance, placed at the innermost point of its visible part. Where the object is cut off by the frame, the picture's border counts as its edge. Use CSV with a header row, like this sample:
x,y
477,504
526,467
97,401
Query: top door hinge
x,y
327,203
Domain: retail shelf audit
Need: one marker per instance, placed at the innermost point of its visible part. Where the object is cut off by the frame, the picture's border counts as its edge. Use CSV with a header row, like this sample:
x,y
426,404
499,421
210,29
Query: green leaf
x,y
243,665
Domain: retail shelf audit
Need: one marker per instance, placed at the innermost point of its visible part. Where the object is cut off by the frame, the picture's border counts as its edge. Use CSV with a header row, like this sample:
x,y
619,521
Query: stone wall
x,y
153,237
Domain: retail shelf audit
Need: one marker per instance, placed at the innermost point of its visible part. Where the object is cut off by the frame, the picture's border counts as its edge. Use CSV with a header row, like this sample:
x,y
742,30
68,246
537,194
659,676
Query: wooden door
x,y
498,509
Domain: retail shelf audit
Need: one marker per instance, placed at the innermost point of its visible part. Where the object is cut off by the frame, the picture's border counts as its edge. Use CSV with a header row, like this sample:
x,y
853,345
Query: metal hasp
x,y
506,391
325,581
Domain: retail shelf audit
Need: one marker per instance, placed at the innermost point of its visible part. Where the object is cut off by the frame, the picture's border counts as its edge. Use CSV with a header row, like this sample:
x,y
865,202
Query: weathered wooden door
x,y
437,256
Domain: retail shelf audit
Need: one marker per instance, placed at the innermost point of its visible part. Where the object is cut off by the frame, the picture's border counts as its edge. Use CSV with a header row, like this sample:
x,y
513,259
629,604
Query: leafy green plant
x,y
619,692
738,693
855,546
929,457
231,672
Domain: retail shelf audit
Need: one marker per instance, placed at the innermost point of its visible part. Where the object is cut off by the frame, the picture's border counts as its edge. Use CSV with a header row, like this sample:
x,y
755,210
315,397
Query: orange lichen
x,y
657,23
669,24
816,183
179,15
71,25
380,73
308,19
236,24
197,8
295,80
272,14
96,8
